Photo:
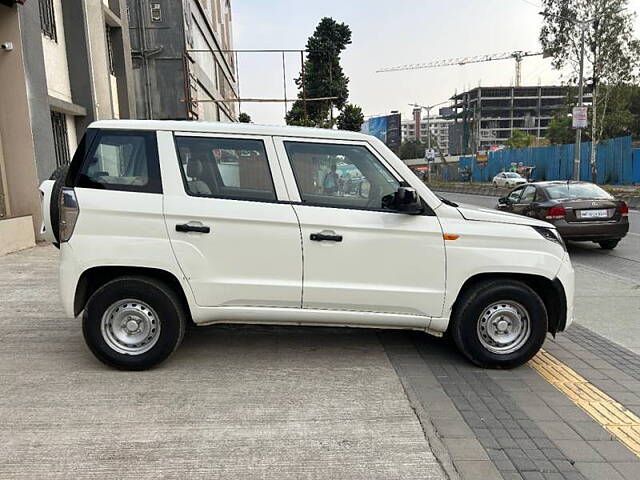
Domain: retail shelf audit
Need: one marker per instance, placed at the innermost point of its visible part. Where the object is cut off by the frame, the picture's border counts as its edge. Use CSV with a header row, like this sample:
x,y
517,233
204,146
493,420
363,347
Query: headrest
x,y
194,168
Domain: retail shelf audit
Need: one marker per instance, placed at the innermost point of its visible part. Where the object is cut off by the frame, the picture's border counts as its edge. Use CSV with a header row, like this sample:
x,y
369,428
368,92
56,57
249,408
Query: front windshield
x,y
575,190
512,175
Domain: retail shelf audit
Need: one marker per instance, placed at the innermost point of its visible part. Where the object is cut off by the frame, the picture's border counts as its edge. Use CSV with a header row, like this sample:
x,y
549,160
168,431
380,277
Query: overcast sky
x,y
387,33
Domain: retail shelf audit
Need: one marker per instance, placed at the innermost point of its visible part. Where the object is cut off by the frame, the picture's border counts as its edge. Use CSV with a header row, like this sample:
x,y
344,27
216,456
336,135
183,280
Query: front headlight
x,y
552,235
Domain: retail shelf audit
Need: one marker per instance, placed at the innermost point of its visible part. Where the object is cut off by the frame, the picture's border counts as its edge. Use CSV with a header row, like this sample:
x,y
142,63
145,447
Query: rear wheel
x,y
609,244
133,323
499,324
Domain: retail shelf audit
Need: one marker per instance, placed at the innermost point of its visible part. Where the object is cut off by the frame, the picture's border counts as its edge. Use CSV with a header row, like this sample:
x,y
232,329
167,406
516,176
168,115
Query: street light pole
x,y
578,147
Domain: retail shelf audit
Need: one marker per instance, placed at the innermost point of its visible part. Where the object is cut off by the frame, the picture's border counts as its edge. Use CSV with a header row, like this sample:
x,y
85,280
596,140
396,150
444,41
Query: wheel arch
x,y
550,291
94,278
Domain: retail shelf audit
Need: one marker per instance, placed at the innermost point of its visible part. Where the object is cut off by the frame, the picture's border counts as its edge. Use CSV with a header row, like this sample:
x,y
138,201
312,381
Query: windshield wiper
x,y
447,202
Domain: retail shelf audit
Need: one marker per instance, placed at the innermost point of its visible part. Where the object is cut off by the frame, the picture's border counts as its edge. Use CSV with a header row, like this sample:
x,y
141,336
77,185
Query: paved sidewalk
x,y
233,402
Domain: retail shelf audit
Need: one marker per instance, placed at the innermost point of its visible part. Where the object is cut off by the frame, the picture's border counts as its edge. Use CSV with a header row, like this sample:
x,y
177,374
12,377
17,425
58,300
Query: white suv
x,y
162,224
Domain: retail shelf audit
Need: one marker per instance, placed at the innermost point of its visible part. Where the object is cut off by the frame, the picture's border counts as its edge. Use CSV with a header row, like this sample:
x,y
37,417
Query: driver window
x,y
514,196
333,175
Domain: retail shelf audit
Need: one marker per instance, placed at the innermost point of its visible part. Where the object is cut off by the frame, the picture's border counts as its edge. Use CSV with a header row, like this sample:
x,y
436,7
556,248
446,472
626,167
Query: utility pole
x,y
578,147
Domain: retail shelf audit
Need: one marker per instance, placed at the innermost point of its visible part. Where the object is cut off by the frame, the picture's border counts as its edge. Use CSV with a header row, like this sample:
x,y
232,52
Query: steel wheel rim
x,y
504,327
130,327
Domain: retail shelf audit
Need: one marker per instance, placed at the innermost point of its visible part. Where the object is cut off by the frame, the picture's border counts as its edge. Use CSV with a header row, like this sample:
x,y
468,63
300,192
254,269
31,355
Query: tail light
x,y
555,213
69,211
624,209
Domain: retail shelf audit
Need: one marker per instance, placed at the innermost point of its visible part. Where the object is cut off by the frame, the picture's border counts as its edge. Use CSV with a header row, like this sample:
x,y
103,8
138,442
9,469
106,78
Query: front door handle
x,y
192,227
326,236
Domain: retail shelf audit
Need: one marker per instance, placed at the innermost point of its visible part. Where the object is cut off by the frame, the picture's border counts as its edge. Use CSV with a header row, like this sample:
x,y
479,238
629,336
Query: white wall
x,y
55,59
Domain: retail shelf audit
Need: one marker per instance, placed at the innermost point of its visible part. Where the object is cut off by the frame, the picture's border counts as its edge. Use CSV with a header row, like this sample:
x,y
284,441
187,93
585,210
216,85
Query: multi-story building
x,y
438,126
489,115
184,48
62,66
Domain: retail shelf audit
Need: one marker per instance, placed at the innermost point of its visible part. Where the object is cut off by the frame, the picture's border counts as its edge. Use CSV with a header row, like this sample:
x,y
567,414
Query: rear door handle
x,y
192,227
326,236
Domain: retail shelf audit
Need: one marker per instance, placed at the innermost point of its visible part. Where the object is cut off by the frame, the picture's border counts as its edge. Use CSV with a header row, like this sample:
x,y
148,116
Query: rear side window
x,y
225,168
122,160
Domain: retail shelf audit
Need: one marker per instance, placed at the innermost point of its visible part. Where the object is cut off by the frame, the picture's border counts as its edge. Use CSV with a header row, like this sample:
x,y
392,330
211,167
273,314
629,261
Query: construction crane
x,y
517,56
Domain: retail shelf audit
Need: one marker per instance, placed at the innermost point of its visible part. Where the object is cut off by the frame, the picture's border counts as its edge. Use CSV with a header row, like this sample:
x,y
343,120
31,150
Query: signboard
x,y
385,128
579,117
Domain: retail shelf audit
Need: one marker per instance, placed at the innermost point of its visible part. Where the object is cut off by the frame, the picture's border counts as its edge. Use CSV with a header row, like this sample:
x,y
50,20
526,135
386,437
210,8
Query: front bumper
x,y
566,276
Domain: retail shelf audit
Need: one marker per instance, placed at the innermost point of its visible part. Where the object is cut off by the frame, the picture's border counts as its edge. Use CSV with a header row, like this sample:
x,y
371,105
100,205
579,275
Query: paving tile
x,y
629,470
532,476
558,431
511,476
477,469
614,451
579,451
598,471
452,428
590,430
465,449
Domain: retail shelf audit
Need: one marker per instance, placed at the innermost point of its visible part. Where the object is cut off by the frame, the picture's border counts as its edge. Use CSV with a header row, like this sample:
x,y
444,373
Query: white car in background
x,y
166,224
508,179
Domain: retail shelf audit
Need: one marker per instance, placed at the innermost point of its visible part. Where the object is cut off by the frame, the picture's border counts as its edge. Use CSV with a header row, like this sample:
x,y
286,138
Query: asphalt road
x,y
623,261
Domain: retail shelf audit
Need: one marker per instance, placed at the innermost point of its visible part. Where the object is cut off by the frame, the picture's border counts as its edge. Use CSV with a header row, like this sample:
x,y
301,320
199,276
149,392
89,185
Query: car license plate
x,y
593,214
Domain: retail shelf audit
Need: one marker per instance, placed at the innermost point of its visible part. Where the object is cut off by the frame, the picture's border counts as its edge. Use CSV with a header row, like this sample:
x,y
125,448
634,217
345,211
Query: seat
x,y
194,172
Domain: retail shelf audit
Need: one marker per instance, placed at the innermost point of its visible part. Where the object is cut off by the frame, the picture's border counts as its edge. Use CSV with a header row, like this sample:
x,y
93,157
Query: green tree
x,y
323,76
351,118
411,149
244,118
560,130
519,139
611,54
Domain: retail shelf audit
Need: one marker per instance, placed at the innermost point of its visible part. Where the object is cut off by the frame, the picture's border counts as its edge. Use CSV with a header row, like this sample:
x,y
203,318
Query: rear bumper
x,y
68,279
593,231
566,277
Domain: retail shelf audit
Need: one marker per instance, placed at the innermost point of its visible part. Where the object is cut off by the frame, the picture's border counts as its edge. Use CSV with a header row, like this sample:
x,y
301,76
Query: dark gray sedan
x,y
581,211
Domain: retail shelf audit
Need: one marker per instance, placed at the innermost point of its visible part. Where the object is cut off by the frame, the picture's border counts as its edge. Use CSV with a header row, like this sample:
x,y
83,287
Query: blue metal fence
x,y
616,161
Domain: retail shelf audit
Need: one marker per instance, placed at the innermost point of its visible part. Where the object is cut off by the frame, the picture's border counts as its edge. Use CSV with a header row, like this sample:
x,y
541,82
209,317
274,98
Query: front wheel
x,y
133,323
499,324
609,244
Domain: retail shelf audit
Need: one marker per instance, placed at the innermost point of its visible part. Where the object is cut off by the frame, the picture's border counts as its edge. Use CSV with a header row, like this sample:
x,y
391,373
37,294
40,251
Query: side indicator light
x,y
450,236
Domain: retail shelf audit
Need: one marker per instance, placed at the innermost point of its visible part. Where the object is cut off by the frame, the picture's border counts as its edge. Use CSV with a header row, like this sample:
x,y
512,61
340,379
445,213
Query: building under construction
x,y
487,116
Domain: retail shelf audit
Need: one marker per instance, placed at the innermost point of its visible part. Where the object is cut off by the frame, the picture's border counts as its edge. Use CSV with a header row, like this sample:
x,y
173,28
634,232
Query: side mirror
x,y
503,201
405,200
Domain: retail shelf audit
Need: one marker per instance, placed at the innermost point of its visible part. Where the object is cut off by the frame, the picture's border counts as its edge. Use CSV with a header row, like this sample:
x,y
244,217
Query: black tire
x,y
470,307
170,318
609,244
59,175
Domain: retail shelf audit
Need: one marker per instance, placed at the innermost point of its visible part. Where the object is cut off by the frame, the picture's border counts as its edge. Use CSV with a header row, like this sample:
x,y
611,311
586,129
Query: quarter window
x,y
225,168
347,176
122,160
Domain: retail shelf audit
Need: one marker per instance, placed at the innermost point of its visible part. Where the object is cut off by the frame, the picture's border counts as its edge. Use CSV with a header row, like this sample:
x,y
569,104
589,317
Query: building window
x,y
48,19
60,137
109,33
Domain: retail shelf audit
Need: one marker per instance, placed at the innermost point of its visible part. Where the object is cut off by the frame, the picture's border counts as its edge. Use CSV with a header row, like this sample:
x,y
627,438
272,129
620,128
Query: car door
x,y
501,180
357,255
523,205
231,225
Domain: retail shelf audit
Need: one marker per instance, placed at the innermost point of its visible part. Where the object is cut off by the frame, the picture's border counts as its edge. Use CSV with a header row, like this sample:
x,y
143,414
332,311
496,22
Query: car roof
x,y
549,183
230,128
